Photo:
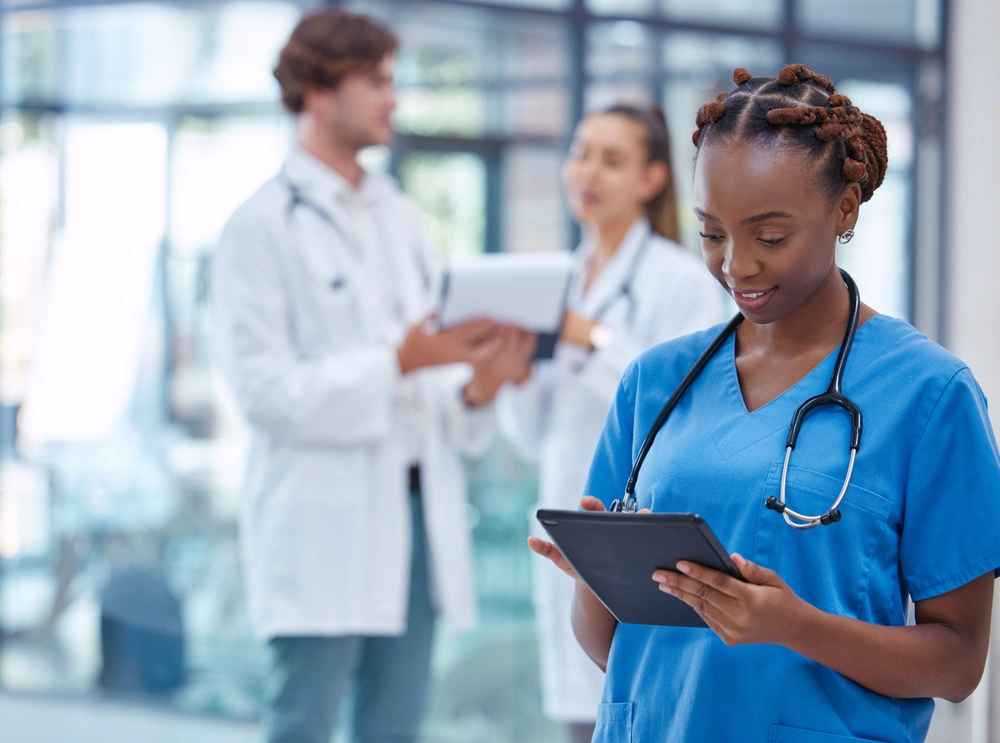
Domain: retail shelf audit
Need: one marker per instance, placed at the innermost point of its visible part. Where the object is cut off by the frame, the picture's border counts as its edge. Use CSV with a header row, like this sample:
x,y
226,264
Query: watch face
x,y
600,336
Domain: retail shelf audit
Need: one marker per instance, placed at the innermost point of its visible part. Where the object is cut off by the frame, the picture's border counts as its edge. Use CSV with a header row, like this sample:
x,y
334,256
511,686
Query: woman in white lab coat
x,y
635,287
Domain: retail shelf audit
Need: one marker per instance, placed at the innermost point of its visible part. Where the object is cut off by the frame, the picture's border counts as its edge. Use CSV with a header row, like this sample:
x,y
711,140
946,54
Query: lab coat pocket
x,y
828,566
614,723
785,734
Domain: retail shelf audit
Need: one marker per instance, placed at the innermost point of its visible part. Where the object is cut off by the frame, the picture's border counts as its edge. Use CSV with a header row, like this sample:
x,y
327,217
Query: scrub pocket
x,y
828,566
785,734
614,723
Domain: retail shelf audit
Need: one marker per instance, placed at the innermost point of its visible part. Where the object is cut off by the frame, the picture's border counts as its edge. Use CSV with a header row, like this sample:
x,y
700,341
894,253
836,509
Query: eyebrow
x,y
749,220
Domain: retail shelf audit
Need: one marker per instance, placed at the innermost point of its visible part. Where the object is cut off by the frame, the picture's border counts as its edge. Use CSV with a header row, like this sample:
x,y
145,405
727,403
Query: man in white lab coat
x,y
353,526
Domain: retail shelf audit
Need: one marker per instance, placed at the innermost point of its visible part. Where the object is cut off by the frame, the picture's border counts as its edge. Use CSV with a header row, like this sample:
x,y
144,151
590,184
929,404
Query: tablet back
x,y
615,554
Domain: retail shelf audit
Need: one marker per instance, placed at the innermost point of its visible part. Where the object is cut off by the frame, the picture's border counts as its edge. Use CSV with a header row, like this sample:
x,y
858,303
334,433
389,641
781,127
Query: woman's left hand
x,y
761,610
576,329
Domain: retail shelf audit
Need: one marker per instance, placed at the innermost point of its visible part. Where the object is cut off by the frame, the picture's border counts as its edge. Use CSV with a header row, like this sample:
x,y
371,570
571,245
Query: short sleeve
x,y
612,462
951,517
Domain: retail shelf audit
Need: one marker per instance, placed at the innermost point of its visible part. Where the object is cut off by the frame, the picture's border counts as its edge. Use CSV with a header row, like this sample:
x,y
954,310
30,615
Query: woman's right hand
x,y
549,550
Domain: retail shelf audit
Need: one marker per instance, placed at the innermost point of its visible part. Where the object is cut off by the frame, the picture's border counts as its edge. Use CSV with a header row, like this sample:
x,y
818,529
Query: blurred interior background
x,y
129,131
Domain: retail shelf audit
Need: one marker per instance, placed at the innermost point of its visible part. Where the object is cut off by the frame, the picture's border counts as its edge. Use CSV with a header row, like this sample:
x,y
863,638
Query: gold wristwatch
x,y
600,336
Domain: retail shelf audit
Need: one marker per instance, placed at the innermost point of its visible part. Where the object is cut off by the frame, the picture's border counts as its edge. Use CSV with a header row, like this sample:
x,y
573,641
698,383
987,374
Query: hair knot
x,y
740,75
795,73
710,113
853,170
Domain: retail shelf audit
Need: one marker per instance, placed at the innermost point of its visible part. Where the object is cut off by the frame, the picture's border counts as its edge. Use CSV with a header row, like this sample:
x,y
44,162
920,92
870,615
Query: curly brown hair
x,y
804,109
326,46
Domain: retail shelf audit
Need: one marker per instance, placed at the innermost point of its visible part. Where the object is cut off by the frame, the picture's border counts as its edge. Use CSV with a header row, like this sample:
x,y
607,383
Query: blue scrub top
x,y
921,517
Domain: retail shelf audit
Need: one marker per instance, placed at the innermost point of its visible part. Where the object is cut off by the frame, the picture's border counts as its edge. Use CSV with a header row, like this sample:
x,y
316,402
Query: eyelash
x,y
716,238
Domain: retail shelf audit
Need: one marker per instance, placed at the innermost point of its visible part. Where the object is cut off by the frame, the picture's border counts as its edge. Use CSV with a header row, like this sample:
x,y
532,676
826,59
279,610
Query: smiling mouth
x,y
751,295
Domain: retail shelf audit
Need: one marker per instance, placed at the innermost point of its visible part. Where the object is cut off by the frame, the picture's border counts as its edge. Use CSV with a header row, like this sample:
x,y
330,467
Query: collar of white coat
x,y
327,186
615,272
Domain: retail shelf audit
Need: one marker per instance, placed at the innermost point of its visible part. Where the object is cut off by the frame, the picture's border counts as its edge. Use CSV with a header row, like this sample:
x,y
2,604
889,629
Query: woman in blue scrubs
x,y
814,646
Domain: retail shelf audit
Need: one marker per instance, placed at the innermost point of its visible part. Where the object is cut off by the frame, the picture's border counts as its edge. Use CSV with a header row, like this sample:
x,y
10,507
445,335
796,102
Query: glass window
x,y
621,7
450,189
878,256
29,57
619,47
536,112
755,13
113,55
534,213
471,72
901,21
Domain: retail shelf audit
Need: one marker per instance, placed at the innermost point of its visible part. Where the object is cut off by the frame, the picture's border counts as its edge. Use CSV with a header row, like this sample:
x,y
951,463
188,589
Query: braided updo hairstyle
x,y
804,109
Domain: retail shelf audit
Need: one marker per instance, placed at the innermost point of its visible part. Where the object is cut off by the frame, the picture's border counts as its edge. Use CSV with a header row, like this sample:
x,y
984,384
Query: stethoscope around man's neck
x,y
298,197
832,396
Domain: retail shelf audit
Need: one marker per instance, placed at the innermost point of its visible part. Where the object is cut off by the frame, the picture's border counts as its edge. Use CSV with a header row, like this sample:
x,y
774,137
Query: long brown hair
x,y
661,210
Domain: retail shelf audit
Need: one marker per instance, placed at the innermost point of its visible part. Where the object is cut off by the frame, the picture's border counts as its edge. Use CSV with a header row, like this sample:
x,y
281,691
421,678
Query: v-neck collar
x,y
612,276
743,428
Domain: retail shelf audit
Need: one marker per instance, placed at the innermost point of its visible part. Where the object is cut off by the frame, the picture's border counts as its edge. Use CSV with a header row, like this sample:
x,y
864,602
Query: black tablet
x,y
615,554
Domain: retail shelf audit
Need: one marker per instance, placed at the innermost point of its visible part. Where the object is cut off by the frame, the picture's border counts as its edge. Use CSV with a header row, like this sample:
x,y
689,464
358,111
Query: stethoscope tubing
x,y
832,396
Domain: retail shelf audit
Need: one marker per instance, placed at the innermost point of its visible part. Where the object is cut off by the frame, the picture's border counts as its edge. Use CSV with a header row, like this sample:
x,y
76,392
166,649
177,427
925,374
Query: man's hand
x,y
463,343
506,358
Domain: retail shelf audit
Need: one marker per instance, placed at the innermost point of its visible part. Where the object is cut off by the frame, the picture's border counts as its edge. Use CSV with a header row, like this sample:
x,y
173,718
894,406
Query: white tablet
x,y
524,289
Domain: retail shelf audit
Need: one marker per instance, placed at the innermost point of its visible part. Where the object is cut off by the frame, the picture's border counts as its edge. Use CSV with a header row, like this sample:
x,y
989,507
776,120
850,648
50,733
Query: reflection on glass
x,y
450,189
755,13
115,55
618,47
534,215
603,94
455,111
29,57
901,21
537,112
621,7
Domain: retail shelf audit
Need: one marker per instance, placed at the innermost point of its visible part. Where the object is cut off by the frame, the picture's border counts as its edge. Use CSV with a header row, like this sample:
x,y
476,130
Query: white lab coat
x,y
325,521
557,415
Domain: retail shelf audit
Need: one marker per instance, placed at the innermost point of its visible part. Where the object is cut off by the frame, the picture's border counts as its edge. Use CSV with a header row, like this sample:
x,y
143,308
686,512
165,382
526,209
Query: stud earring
x,y
845,237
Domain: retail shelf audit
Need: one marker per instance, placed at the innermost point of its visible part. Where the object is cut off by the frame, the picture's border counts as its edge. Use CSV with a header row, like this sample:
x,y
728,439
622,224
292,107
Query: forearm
x,y
593,625
926,660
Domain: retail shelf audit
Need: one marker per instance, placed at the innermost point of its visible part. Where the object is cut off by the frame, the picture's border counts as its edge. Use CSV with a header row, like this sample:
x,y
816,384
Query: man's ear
x,y
315,96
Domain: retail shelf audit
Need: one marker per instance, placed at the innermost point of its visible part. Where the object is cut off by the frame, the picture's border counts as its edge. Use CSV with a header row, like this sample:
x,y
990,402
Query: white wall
x,y
973,307
973,247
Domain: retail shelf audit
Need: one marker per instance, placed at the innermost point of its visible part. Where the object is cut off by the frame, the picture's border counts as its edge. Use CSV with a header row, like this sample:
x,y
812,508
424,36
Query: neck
x,y
606,237
338,155
817,324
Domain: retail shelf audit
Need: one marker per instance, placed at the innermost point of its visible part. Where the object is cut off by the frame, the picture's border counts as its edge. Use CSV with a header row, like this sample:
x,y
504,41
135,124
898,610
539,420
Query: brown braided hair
x,y
801,107
661,210
324,47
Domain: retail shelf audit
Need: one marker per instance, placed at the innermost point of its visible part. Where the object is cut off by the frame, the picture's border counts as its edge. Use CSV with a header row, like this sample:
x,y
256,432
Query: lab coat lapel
x,y
328,245
608,285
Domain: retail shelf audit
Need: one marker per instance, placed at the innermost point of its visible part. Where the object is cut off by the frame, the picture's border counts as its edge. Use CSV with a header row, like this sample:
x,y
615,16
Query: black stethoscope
x,y
297,198
625,289
833,396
